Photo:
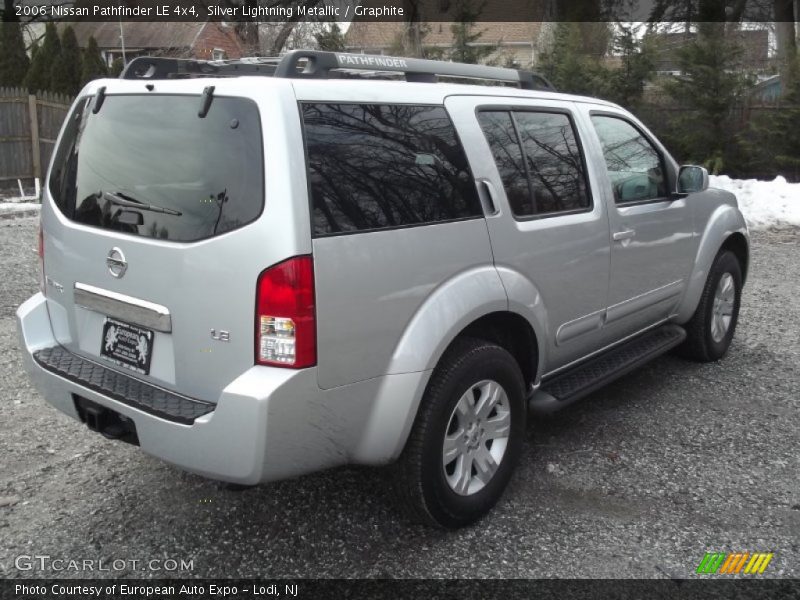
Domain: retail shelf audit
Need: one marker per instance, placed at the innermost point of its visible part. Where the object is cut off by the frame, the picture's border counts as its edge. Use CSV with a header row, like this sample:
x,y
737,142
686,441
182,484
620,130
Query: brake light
x,y
286,330
40,252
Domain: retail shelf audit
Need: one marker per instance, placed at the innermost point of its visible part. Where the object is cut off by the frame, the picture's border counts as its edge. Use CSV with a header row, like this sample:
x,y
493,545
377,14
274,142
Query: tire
x,y
705,342
460,492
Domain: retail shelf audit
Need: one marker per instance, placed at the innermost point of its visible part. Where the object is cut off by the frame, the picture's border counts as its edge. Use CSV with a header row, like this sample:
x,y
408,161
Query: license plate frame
x,y
127,345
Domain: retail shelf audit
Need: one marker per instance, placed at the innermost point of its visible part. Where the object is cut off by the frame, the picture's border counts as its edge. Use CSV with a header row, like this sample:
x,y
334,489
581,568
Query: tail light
x,y
286,330
40,252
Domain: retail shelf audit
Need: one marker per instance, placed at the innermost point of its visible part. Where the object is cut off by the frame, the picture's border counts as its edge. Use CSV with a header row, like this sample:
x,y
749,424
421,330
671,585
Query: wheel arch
x,y
510,331
737,243
725,230
472,304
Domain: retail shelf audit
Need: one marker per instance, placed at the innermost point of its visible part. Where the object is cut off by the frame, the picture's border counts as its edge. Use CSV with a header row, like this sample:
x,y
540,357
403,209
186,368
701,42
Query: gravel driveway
x,y
638,480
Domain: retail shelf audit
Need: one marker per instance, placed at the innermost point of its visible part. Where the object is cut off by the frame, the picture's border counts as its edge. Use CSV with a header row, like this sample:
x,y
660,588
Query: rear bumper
x,y
267,424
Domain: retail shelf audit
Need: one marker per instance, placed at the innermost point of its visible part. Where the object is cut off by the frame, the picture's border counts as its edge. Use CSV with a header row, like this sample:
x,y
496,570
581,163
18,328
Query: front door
x,y
651,228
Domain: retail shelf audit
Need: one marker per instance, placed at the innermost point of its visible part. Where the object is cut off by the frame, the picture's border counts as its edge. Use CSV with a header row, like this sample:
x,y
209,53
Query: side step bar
x,y
585,378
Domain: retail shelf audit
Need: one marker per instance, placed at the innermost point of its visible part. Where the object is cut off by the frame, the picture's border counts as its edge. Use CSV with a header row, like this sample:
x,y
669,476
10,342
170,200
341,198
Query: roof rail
x,y
157,67
313,64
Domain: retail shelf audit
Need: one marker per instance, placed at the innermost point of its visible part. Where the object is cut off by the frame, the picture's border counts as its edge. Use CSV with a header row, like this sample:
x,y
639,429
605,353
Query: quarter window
x,y
539,161
634,165
377,166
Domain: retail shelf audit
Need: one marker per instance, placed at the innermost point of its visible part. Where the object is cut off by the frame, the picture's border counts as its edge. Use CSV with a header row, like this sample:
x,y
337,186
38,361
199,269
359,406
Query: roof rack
x,y
313,64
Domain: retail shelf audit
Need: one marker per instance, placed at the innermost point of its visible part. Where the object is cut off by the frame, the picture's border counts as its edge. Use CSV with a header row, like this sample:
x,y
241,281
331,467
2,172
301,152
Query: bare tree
x,y
786,38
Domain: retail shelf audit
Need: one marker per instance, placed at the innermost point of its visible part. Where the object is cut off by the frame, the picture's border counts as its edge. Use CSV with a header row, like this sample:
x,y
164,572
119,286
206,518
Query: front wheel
x,y
711,329
467,436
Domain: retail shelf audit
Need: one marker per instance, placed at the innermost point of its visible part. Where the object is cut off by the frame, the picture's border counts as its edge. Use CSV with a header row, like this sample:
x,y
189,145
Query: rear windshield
x,y
149,166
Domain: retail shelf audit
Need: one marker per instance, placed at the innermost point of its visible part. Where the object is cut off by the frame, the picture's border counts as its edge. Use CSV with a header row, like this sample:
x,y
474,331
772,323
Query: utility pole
x,y
122,43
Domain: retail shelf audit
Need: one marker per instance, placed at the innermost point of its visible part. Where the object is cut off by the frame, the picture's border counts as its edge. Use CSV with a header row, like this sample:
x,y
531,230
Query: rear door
x,y
549,227
153,243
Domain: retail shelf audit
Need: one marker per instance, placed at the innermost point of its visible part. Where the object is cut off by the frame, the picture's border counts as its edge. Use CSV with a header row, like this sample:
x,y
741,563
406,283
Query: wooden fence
x,y
29,126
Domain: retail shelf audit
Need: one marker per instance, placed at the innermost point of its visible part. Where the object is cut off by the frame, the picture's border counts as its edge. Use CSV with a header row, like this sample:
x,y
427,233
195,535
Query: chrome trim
x,y
618,311
116,263
623,235
126,308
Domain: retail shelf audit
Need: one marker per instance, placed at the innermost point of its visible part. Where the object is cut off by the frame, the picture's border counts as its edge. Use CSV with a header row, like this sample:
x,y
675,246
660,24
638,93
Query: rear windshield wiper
x,y
121,199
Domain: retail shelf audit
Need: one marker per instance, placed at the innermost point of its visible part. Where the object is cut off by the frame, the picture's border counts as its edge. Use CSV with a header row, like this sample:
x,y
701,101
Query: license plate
x,y
127,345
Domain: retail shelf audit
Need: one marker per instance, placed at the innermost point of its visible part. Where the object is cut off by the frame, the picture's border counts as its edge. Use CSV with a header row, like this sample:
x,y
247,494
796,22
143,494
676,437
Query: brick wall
x,y
217,36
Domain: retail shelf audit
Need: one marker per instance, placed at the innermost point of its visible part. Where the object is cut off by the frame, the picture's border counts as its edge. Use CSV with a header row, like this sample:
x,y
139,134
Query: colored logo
x,y
733,563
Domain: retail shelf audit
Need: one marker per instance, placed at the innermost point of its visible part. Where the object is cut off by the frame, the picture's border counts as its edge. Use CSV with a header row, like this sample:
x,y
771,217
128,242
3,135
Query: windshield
x,y
149,166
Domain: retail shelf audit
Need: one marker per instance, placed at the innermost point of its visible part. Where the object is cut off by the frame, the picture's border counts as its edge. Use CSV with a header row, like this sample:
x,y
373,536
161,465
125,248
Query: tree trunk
x,y
412,34
9,13
247,32
282,37
786,38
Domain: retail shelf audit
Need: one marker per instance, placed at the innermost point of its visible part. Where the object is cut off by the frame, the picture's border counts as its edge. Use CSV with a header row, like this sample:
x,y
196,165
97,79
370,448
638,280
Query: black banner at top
x,y
277,11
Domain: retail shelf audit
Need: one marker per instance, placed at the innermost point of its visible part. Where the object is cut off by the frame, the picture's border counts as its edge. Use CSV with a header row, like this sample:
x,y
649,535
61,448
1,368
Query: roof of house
x,y
138,35
384,34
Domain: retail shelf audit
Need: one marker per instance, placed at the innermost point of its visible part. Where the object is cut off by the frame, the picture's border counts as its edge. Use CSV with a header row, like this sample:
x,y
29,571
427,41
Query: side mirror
x,y
692,179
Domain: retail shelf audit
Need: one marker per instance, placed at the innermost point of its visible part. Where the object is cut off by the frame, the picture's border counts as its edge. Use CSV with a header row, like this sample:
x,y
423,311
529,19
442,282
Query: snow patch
x,y
6,207
764,204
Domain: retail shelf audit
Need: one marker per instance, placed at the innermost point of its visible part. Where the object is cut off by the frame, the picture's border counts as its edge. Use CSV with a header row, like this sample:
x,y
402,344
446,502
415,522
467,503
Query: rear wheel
x,y
711,329
467,437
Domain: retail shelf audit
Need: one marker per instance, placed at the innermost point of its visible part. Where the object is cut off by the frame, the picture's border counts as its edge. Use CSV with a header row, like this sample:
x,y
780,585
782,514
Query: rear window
x,y
149,166
380,166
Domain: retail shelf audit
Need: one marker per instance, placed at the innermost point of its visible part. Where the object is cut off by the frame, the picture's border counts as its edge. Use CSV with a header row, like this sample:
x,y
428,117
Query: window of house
x,y
217,54
539,160
634,165
378,166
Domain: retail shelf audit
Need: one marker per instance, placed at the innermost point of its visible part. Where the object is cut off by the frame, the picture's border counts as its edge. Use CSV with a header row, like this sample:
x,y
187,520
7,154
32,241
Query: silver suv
x,y
258,269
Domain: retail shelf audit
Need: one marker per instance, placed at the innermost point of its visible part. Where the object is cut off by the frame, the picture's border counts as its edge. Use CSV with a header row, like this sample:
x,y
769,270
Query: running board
x,y
583,379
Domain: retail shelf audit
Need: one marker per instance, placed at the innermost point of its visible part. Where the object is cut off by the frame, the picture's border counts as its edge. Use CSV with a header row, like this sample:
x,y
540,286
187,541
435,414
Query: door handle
x,y
623,235
486,197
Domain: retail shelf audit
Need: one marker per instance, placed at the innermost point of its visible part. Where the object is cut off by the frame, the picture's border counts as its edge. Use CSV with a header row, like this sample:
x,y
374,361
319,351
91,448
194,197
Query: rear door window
x,y
149,166
539,160
380,166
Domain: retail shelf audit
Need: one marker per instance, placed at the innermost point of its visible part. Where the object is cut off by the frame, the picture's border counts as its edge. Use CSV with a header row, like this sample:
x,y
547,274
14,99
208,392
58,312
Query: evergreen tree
x,y
770,142
626,83
92,64
577,62
13,58
711,83
65,73
466,36
116,67
38,77
569,67
331,39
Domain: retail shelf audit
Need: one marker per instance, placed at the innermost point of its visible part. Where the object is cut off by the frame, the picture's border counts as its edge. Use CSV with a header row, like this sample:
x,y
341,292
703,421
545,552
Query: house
x,y
517,43
516,28
207,41
754,44
768,91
